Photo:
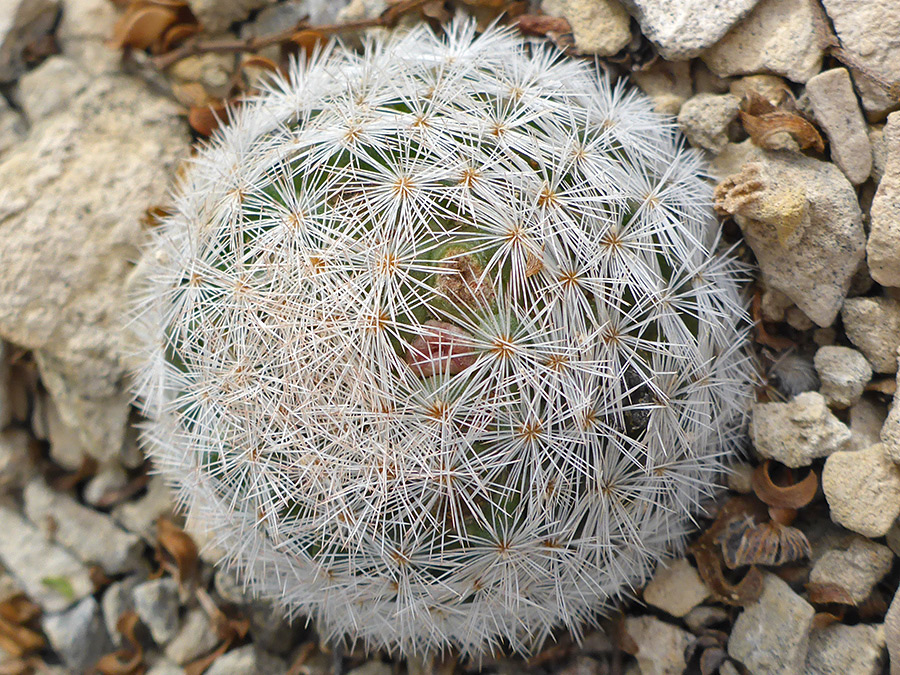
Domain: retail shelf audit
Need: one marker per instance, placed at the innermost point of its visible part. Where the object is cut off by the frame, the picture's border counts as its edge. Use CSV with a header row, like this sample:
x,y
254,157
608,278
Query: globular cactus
x,y
439,342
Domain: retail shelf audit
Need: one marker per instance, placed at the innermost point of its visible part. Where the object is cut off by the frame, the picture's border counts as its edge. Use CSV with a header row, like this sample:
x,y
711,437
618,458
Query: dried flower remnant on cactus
x,y
439,344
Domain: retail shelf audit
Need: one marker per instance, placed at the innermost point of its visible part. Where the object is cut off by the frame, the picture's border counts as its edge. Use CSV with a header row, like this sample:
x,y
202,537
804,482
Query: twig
x,y
194,46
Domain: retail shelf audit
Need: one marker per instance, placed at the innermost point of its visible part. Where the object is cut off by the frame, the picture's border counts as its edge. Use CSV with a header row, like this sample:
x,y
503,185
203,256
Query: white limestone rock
x,y
883,247
862,488
839,649
873,326
676,588
704,119
837,111
843,373
778,36
681,29
660,645
600,27
797,432
72,197
870,34
91,535
802,219
22,22
856,564
771,636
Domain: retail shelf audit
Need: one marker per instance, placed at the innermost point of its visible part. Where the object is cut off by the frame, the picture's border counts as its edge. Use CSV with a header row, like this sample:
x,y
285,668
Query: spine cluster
x,y
438,341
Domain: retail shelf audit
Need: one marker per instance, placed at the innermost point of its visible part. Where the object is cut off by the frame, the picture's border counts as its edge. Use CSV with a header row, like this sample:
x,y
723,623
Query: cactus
x,y
440,341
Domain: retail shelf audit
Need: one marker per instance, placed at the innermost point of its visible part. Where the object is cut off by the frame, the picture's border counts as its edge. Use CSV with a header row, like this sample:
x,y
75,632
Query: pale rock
x,y
270,629
16,465
839,649
165,666
770,637
681,29
867,418
91,535
797,432
740,478
770,87
844,373
250,660
862,488
883,248
668,84
278,17
372,668
600,27
37,564
660,645
140,515
705,118
217,15
837,111
869,32
22,22
66,448
778,36
856,565
84,33
13,128
890,430
796,319
873,326
879,151
357,10
705,616
676,588
195,638
581,665
109,478
117,599
78,635
50,87
85,175
802,219
892,633
212,71
156,603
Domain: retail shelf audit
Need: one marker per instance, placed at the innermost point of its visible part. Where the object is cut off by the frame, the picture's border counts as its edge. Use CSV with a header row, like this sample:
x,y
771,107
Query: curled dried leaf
x,y
768,131
745,542
143,26
177,34
130,659
709,565
787,493
308,40
824,619
828,594
16,638
175,551
206,119
542,25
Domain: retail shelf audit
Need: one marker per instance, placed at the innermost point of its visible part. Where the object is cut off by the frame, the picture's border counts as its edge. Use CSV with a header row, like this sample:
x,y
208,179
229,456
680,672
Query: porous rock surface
x,y
72,197
801,218
798,431
863,490
770,637
883,247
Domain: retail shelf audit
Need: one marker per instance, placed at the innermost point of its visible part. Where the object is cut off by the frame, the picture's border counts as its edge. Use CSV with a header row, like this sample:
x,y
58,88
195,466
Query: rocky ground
x,y
794,572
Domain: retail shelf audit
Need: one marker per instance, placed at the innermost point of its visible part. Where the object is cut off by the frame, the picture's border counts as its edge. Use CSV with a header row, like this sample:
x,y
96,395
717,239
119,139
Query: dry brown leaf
x,y
765,129
828,594
824,619
130,659
176,552
886,386
746,542
308,40
790,495
177,34
541,24
141,27
16,638
776,342
206,119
